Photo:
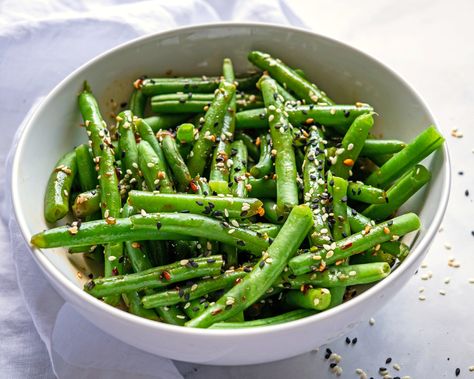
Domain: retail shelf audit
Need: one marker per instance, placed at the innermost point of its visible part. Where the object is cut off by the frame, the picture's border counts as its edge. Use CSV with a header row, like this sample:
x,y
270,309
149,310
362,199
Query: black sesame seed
x,y
211,205
457,372
195,309
211,260
286,285
90,285
200,203
185,211
261,264
466,192
388,360
181,292
241,243
187,296
194,264
261,115
332,365
122,154
347,114
348,340
354,341
381,369
390,223
123,105
344,199
158,225
121,259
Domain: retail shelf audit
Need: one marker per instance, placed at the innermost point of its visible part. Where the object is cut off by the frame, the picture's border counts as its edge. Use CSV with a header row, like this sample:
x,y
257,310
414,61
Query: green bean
x,y
352,144
93,121
399,193
58,189
86,171
265,163
165,121
158,226
280,130
331,116
376,147
339,276
269,267
185,133
239,169
194,291
137,103
354,244
185,137
275,320
380,160
146,133
419,148
155,277
155,86
172,315
262,228
359,222
249,143
153,169
128,148
198,103
233,207
219,173
288,78
138,258
211,129
262,188
176,162
86,203
133,301
312,298
338,190
341,228
195,307
366,194
285,94
314,186
271,213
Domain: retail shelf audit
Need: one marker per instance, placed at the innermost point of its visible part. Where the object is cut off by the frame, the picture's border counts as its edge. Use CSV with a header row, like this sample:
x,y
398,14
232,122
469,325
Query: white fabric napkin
x,y
40,43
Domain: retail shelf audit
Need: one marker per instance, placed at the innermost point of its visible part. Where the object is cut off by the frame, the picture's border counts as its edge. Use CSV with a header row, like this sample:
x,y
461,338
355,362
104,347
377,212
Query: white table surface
x,y
429,42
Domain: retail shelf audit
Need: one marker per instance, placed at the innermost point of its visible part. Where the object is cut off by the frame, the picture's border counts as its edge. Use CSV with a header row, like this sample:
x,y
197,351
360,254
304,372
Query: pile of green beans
x,y
234,201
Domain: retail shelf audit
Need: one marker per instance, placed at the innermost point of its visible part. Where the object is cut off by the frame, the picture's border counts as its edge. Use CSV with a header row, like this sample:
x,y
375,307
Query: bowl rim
x,y
79,294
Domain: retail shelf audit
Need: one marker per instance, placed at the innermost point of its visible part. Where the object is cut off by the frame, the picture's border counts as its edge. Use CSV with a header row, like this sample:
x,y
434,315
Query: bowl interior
x,y
345,74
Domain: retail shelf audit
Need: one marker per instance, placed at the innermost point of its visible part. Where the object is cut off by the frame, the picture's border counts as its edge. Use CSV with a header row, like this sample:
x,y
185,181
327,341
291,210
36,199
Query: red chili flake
x,y
166,275
348,162
347,245
193,186
214,312
115,271
138,83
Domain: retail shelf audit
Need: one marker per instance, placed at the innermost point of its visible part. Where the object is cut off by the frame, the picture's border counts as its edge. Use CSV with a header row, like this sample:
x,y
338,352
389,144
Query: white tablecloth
x,y
427,42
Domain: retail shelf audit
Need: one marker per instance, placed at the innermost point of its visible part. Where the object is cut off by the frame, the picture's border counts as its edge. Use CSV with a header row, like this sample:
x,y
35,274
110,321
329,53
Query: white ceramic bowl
x,y
347,75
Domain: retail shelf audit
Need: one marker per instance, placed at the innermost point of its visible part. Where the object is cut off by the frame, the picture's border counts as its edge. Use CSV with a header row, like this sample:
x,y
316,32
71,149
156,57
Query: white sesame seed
x,y
424,264
471,368
111,258
447,280
447,246
316,302
194,287
150,164
471,280
422,297
183,262
371,321
442,292
396,366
